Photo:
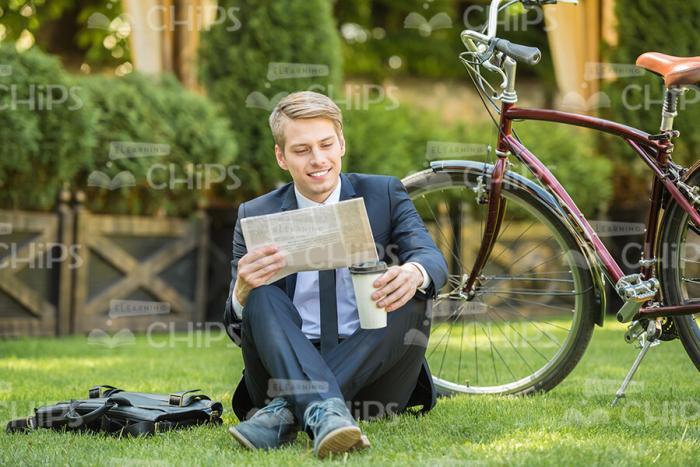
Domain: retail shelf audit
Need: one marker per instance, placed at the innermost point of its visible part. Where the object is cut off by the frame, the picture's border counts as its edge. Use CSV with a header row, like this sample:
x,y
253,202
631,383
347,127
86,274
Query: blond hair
x,y
303,104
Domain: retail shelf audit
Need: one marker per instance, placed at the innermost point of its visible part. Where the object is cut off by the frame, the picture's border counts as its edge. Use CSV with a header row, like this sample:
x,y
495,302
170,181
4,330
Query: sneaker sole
x,y
242,440
339,440
363,443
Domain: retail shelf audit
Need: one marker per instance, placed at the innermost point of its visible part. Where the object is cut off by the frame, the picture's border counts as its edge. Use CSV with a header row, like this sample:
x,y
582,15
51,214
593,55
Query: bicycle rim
x,y
531,319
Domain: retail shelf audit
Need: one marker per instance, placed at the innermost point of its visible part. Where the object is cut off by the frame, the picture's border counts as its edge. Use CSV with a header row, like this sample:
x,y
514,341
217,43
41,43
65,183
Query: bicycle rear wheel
x,y
680,271
533,313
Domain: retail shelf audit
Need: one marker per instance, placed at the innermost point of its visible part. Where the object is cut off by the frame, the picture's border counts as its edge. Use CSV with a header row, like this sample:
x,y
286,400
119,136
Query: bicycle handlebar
x,y
519,53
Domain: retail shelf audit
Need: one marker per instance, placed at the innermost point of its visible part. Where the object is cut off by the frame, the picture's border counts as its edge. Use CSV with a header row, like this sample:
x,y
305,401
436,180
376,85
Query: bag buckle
x,y
178,399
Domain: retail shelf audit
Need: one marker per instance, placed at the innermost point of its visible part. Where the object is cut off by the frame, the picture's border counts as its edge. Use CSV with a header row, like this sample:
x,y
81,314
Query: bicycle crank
x,y
635,291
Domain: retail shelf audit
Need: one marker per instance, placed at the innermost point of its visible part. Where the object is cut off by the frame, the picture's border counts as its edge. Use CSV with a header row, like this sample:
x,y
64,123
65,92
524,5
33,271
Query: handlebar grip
x,y
519,53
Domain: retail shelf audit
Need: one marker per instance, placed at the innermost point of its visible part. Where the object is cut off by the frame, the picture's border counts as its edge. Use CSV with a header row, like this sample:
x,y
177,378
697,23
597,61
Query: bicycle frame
x,y
655,153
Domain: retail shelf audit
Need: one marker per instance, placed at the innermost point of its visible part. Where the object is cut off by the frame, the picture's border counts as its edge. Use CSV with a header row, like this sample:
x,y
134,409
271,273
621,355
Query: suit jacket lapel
x,y
347,191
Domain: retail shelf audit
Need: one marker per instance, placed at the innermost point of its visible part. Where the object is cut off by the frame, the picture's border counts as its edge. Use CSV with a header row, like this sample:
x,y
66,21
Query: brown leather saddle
x,y
676,71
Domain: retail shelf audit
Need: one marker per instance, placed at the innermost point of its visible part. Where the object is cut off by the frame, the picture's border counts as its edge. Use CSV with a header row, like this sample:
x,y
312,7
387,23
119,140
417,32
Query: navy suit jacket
x,y
400,236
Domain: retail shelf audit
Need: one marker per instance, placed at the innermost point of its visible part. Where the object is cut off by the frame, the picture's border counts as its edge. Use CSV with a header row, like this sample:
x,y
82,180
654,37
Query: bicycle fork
x,y
496,211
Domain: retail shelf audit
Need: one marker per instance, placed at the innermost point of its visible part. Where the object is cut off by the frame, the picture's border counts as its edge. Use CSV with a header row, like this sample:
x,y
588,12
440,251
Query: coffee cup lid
x,y
368,267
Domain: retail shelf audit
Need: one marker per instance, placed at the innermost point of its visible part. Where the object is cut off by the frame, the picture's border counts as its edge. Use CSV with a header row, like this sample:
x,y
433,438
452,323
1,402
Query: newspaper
x,y
317,238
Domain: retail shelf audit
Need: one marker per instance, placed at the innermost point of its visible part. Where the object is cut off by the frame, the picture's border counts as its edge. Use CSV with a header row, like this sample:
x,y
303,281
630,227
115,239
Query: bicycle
x,y
499,336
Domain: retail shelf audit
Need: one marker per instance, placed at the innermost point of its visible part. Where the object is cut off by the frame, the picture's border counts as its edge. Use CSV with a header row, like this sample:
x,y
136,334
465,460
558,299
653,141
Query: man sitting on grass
x,y
303,331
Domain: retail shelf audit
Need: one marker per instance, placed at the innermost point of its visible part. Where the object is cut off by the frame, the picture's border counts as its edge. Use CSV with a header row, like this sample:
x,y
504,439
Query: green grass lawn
x,y
573,425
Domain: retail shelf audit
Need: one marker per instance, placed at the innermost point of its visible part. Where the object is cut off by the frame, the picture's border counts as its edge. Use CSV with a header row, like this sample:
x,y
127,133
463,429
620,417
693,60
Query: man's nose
x,y
318,155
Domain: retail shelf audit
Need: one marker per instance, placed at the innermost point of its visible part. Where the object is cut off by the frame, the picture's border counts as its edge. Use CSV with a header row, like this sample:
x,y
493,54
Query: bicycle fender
x,y
541,194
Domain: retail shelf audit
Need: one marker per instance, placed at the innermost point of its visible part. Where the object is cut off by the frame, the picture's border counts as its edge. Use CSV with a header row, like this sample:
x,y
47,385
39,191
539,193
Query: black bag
x,y
118,412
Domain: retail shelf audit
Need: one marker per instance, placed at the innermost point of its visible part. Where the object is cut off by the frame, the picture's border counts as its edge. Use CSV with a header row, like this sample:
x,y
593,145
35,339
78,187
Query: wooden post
x,y
79,282
66,233
202,240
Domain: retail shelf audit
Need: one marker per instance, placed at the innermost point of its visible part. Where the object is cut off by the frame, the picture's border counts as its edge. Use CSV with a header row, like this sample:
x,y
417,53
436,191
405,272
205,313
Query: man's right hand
x,y
255,268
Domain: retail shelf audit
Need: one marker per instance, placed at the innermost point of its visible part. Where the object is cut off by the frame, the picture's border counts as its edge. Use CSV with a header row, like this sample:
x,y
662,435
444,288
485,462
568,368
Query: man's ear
x,y
279,155
341,140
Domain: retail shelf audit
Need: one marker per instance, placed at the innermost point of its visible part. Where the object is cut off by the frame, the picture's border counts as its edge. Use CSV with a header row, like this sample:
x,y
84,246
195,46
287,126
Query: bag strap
x,y
21,425
178,399
96,391
76,420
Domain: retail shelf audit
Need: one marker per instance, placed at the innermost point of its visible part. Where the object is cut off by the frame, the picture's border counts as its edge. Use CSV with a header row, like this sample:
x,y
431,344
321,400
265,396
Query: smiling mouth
x,y
319,174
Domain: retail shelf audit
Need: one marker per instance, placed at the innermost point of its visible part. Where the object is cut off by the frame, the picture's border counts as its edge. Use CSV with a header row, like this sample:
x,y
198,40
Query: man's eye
x,y
327,145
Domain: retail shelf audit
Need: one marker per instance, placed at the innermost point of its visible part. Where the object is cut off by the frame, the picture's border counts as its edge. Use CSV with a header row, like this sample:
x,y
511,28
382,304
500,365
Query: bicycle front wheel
x,y
680,271
532,316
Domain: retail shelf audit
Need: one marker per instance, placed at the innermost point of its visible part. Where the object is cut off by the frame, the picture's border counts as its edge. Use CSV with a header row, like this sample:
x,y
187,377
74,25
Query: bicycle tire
x,y
673,237
515,188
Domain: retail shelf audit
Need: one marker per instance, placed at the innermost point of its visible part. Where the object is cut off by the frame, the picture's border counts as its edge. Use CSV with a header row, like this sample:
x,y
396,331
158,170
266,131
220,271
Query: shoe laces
x,y
276,407
319,412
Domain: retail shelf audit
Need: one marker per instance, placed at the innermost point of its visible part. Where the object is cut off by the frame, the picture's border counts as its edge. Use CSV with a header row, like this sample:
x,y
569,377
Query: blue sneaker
x,y
334,429
270,427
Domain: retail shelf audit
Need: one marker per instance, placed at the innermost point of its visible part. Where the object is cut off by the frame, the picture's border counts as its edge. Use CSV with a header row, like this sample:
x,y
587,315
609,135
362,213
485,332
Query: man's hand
x,y
397,286
256,267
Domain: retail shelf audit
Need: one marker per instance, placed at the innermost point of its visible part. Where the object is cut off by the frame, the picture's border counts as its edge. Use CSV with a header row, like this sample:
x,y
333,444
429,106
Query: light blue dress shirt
x,y
306,294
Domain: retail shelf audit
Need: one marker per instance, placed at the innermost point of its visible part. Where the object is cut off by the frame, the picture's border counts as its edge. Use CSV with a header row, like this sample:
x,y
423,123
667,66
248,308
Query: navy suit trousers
x,y
374,370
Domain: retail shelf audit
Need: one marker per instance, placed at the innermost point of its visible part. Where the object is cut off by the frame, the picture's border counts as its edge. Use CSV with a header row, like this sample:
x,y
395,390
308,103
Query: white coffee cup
x,y
363,276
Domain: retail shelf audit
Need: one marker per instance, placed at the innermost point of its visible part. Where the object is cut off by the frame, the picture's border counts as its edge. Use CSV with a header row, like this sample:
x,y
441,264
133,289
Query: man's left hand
x,y
397,286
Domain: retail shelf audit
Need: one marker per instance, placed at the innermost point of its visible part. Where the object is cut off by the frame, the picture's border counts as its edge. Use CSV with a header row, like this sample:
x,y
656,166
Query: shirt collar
x,y
304,202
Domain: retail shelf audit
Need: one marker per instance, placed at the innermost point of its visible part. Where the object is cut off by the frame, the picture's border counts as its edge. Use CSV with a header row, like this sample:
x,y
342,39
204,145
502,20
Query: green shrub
x,y
234,61
637,101
395,142
170,177
426,42
47,127
571,155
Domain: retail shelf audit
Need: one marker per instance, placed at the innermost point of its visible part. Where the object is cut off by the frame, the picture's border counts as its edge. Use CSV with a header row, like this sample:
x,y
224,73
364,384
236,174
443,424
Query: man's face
x,y
312,154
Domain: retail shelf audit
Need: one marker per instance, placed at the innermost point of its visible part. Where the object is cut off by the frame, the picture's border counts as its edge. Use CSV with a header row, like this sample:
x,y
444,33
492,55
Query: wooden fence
x,y
72,271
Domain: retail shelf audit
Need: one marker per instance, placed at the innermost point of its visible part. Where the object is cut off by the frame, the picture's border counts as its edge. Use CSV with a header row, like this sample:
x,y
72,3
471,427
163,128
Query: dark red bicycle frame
x,y
655,153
